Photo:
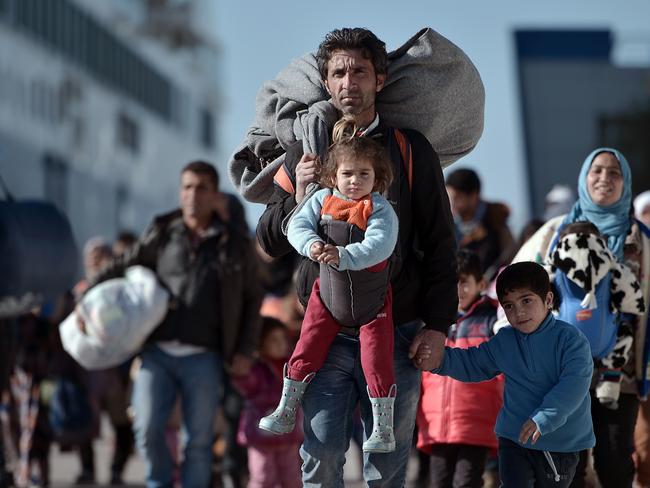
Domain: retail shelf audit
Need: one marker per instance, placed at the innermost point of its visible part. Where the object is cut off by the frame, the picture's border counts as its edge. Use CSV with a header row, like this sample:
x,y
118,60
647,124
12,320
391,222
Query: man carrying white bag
x,y
113,320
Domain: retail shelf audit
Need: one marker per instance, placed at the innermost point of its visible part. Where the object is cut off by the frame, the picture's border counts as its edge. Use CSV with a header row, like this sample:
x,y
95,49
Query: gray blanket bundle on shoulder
x,y
432,86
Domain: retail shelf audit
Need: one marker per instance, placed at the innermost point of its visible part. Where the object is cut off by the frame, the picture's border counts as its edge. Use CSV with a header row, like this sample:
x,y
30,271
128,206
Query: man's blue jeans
x,y
329,404
198,380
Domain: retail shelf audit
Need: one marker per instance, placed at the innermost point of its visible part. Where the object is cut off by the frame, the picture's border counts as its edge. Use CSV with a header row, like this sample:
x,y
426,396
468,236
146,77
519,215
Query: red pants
x,y
319,330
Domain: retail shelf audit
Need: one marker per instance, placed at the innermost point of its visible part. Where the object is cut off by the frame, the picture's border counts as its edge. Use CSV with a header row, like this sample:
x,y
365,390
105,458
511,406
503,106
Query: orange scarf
x,y
356,212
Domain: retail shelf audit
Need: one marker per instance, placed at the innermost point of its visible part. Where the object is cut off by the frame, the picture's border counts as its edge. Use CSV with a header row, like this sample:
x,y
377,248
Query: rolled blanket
x,y
432,86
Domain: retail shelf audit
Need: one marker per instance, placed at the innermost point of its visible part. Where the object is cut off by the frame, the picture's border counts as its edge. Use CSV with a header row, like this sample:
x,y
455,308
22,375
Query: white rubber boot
x,y
283,419
382,438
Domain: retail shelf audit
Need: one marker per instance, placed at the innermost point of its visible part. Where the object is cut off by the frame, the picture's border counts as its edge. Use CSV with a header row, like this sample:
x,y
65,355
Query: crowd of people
x,y
380,302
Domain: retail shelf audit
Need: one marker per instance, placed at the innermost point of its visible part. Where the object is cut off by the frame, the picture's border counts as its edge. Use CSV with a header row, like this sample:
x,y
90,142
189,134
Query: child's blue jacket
x,y
548,373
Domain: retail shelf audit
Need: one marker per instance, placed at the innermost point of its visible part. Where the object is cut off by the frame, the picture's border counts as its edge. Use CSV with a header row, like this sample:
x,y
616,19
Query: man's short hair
x,y
203,168
464,180
469,264
526,275
364,40
126,237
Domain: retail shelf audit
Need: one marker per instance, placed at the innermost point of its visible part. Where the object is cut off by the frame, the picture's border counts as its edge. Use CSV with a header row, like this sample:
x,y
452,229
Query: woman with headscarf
x,y
605,200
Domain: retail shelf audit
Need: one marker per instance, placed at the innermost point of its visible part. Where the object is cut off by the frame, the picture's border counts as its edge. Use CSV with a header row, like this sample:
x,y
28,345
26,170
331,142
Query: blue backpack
x,y
600,325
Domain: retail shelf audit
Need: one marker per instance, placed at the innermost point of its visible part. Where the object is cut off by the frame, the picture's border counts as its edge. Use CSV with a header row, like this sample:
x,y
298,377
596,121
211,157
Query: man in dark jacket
x,y
209,267
481,227
352,63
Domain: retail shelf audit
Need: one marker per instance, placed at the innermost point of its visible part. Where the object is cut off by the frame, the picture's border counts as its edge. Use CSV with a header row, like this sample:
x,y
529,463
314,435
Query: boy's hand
x,y
434,345
529,428
315,250
423,353
330,255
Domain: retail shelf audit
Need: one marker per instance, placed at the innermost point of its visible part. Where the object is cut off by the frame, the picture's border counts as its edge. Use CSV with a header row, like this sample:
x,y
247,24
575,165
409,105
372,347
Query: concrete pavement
x,y
64,466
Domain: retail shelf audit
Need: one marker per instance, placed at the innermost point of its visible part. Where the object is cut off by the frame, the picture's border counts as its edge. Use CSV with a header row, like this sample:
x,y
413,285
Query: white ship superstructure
x,y
101,103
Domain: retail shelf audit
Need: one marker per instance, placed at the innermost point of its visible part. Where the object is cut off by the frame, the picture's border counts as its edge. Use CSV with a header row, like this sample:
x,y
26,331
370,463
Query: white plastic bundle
x,y
119,315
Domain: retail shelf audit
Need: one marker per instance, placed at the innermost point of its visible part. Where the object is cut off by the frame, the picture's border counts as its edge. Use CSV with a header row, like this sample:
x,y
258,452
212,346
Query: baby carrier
x,y
594,288
353,297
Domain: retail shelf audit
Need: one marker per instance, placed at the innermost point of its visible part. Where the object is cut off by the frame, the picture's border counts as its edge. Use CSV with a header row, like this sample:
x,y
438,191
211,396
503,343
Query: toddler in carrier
x,y
351,230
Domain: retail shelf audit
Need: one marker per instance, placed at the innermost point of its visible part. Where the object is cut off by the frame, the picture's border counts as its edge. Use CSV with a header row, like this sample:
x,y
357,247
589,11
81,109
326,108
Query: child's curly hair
x,y
345,144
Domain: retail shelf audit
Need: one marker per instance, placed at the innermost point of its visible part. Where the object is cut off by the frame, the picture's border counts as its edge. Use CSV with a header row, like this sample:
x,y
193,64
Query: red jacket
x,y
452,412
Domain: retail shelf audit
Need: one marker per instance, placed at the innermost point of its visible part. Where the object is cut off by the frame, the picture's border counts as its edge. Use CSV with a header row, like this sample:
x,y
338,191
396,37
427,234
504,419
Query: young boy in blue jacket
x,y
545,420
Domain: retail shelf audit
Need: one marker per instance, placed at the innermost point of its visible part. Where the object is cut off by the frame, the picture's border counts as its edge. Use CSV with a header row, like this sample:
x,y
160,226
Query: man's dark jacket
x,y
215,287
424,279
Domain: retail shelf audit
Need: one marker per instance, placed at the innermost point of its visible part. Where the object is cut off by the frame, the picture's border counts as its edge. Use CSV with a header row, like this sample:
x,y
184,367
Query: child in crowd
x,y
456,420
351,230
545,420
273,461
584,260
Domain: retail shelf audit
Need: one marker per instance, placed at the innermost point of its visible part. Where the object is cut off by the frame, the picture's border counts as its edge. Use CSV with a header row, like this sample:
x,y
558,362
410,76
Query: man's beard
x,y
353,110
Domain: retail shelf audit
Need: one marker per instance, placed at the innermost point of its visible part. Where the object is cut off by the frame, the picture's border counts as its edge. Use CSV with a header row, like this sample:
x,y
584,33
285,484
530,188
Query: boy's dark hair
x,y
468,263
526,275
356,148
203,168
580,227
356,38
464,180
269,324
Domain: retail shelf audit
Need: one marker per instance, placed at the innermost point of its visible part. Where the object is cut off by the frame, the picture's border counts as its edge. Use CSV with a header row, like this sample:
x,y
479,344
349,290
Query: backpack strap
x,y
407,154
283,179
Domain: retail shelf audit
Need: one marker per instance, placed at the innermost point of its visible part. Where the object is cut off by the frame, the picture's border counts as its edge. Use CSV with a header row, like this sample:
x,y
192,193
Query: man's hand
x,y
529,428
81,325
315,250
427,349
329,255
241,365
307,171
